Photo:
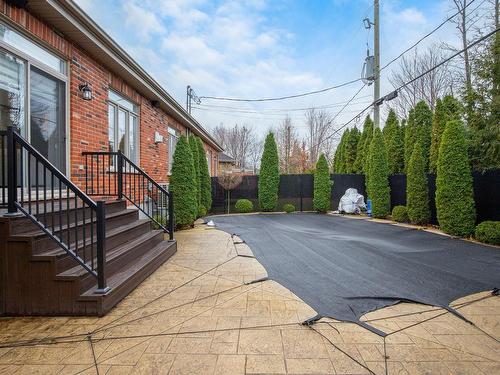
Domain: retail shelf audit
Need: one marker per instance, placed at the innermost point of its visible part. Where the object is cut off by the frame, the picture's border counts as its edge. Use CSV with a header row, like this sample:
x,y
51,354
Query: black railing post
x,y
171,215
101,247
119,166
11,173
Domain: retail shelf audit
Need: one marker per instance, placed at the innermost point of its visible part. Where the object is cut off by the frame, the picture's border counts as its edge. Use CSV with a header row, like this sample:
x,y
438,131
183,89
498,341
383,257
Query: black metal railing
x,y
114,174
41,192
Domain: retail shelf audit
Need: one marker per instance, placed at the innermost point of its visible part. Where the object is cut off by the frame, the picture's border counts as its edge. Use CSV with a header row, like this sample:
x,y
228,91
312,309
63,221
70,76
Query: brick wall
x,y
89,119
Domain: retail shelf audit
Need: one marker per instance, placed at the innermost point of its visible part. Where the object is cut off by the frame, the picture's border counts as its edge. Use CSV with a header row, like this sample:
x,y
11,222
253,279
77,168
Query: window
x,y
173,137
24,45
123,128
33,95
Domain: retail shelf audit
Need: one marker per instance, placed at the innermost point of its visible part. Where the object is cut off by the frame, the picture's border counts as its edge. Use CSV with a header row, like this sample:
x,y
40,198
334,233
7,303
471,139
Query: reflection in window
x,y
25,45
173,137
47,117
12,88
123,126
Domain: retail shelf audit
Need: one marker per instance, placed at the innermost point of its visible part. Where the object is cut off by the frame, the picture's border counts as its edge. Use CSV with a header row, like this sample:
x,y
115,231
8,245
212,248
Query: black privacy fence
x,y
297,189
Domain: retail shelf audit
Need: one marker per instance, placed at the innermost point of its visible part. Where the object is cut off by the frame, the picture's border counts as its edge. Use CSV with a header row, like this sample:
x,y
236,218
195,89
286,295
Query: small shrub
x,y
288,207
488,232
202,211
400,214
244,206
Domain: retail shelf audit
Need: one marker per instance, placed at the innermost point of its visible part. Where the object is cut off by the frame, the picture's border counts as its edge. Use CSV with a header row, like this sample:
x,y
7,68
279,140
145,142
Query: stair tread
x,y
109,233
38,233
79,270
48,205
119,278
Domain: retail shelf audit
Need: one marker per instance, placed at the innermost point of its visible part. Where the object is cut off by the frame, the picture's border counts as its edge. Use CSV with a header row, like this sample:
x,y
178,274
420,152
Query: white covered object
x,y
352,202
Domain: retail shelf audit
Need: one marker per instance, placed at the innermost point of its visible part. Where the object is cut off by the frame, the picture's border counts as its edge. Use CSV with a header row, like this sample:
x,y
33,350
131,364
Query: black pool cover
x,y
344,268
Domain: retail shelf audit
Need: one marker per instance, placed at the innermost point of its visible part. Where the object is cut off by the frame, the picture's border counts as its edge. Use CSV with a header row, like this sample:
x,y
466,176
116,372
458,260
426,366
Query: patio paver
x,y
197,315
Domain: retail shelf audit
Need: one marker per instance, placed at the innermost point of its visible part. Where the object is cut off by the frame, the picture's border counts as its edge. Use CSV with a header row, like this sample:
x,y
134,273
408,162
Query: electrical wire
x,y
429,34
283,97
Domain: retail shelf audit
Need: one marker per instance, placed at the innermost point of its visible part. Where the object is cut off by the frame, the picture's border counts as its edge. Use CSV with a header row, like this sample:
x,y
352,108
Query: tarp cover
x,y
352,202
344,267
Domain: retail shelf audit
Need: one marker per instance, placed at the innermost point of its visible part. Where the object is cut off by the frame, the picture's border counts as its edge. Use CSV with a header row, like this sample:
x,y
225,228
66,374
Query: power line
x,y
282,97
419,76
486,36
428,34
335,104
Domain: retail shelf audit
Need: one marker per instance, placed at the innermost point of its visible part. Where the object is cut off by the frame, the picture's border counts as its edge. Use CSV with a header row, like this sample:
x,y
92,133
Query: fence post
x,y
171,215
119,166
11,173
101,248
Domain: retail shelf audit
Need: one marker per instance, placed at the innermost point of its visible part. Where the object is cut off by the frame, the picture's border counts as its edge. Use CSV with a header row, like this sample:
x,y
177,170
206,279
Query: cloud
x,y
142,21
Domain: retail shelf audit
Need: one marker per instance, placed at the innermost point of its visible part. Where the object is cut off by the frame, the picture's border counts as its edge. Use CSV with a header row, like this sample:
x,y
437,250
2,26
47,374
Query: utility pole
x,y
288,147
190,97
376,70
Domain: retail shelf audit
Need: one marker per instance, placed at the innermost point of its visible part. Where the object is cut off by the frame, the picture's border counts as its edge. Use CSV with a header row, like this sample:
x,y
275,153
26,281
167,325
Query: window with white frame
x,y
173,138
123,126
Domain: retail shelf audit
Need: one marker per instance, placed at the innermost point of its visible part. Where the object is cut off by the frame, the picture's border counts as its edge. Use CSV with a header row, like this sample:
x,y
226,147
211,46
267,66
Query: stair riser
x,y
23,224
44,243
118,263
111,301
65,262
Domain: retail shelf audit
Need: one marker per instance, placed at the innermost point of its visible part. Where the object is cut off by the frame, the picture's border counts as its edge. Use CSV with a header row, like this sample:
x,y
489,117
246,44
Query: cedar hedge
x,y
205,183
378,177
183,184
193,144
269,176
243,206
488,232
454,193
322,186
400,214
417,192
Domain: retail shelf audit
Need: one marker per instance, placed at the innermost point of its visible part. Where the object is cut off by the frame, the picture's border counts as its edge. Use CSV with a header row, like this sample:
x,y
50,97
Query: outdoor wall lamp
x,y
86,91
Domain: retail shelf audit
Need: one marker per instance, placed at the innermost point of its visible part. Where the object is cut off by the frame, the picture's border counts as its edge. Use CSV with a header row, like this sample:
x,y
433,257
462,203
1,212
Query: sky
x,y
260,49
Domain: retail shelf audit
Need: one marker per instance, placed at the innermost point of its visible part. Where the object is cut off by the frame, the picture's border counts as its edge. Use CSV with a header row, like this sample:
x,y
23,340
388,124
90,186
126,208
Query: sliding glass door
x,y
47,114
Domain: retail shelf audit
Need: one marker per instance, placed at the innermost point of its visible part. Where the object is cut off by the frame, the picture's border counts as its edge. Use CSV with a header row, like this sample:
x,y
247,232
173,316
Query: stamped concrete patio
x,y
206,311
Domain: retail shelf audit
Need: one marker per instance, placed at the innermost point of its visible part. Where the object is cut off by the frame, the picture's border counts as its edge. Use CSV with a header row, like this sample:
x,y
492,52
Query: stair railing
x,y
114,174
41,192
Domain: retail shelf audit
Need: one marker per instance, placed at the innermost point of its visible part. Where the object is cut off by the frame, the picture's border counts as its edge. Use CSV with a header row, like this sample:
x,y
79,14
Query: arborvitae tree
x,y
394,143
183,184
363,146
322,186
193,144
454,193
351,150
483,117
419,131
339,159
417,191
205,182
378,177
447,109
269,176
409,139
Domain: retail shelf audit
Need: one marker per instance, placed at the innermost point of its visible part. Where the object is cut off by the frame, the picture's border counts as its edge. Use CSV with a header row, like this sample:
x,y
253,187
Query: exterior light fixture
x,y
86,91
